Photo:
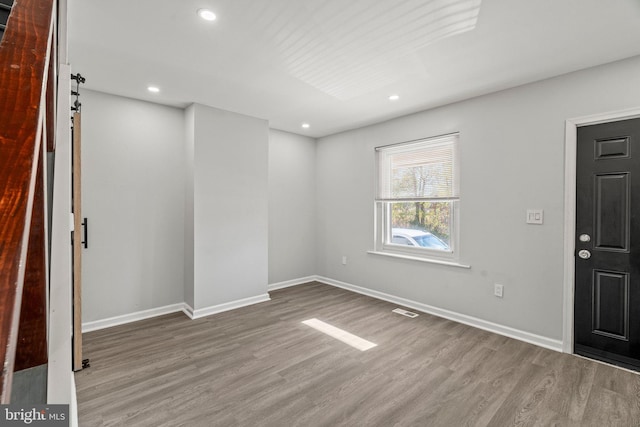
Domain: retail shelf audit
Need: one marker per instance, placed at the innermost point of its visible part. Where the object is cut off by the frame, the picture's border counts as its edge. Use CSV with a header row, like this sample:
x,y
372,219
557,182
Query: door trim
x,y
570,151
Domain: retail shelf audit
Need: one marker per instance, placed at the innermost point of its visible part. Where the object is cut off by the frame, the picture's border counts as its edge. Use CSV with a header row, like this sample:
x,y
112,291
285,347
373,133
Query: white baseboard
x,y
132,317
538,340
207,311
188,310
451,315
174,308
289,283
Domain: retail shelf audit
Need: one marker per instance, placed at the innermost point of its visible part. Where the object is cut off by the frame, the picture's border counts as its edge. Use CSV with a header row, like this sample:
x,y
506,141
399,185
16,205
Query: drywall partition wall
x,y
292,206
188,207
512,159
230,207
59,372
133,195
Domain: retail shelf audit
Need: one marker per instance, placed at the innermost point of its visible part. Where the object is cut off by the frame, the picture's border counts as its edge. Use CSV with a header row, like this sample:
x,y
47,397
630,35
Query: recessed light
x,y
306,125
206,14
394,97
153,89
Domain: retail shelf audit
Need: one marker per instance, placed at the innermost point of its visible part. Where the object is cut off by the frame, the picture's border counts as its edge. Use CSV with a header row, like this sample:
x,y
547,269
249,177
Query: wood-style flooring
x,y
260,366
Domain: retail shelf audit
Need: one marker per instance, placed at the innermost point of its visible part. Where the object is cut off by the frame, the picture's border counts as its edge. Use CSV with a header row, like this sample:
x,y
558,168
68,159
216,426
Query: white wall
x,y
189,297
292,206
133,194
230,206
59,372
512,158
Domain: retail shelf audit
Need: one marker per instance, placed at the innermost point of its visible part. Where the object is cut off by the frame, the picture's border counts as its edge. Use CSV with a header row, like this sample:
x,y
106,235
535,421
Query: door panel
x,y
612,212
611,304
607,288
612,148
77,242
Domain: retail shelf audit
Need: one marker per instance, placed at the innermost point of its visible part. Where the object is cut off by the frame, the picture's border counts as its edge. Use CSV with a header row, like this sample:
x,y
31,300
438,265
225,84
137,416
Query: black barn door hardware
x,y
85,231
79,80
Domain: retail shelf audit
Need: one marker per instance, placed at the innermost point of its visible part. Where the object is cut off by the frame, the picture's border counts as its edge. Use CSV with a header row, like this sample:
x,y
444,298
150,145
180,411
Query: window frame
x,y
382,210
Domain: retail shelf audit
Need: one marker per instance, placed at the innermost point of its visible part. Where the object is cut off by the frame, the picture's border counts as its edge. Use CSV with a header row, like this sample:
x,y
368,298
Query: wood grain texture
x,y
23,69
260,366
31,348
77,241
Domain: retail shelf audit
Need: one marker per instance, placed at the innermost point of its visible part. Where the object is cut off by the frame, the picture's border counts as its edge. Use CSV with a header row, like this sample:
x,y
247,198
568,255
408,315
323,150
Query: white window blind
x,y
425,170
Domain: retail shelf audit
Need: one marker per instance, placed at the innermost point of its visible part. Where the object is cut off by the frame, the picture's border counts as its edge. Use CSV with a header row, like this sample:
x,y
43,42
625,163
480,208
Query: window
x,y
417,198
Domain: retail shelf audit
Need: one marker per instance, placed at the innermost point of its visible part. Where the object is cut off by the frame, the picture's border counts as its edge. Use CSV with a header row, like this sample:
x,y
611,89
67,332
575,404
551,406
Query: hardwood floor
x,y
260,366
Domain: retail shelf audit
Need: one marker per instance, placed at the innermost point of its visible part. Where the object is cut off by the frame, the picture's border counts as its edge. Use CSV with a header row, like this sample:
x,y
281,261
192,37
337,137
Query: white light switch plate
x,y
535,216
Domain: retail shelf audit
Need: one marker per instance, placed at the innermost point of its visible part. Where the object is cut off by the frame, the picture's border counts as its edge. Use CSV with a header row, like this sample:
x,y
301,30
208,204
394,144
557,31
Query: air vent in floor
x,y
405,312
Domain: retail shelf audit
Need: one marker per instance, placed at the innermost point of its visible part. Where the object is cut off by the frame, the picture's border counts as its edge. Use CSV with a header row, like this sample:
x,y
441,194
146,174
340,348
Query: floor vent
x,y
405,312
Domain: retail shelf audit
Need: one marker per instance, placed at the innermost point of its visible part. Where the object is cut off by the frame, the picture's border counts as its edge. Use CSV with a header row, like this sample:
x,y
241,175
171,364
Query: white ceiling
x,y
334,63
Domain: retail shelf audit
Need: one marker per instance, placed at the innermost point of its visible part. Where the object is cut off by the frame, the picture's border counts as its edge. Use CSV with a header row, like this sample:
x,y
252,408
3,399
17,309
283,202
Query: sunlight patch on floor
x,y
340,334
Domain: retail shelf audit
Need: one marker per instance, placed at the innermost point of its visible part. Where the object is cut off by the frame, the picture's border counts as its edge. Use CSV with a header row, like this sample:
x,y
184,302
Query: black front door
x,y
607,262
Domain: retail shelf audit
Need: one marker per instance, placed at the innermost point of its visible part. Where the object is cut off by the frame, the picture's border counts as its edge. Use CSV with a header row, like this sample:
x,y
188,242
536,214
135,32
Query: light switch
x,y
535,216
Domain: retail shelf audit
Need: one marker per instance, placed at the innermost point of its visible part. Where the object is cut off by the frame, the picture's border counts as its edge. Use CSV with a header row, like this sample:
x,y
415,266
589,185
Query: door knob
x,y
584,254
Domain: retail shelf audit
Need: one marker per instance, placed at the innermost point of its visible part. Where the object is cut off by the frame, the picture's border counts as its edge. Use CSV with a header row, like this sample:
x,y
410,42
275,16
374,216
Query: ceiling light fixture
x,y
153,89
206,14
306,125
394,97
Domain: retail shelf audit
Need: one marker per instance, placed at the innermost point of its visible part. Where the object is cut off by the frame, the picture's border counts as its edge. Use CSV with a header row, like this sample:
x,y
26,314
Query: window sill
x,y
415,258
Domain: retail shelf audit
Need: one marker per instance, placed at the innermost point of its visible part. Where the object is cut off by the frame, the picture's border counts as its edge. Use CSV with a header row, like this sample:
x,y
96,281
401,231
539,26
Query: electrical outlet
x,y
344,260
498,290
